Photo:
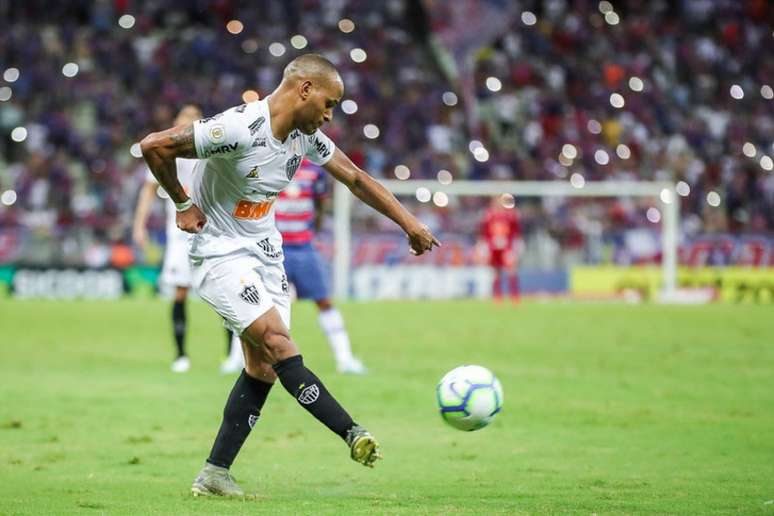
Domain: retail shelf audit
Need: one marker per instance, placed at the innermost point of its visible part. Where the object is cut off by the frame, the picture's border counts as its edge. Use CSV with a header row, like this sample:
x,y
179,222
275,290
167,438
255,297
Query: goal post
x,y
661,190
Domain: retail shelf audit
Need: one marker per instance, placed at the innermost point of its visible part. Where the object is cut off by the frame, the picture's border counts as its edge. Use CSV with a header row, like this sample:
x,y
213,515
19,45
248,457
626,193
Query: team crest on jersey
x,y
255,126
292,165
254,173
250,295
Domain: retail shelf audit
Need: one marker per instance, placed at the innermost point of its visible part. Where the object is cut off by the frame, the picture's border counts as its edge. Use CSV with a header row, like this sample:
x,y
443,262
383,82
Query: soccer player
x,y
298,213
176,271
251,152
500,229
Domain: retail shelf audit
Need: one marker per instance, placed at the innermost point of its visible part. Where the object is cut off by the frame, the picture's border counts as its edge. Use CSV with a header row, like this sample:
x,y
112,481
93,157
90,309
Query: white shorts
x,y
241,288
176,271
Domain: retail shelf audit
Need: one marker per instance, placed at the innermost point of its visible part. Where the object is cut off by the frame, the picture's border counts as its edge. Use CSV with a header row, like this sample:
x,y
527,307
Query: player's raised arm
x,y
373,193
160,151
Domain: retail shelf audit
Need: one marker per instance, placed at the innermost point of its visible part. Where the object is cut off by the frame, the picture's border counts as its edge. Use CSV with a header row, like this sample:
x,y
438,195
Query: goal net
x,y
564,224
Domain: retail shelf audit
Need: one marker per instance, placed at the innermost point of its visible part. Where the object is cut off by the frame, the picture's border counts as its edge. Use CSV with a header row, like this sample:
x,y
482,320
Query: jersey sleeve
x,y
319,148
225,135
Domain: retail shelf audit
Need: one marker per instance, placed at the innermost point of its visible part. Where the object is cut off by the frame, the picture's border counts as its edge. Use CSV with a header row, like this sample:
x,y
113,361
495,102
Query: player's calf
x,y
311,394
242,411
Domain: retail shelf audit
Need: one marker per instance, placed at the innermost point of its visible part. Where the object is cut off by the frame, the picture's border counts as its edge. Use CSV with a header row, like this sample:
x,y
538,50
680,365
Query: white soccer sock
x,y
332,325
235,354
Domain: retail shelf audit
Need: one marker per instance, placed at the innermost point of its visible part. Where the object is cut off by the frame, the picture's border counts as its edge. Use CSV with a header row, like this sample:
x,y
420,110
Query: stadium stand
x,y
693,78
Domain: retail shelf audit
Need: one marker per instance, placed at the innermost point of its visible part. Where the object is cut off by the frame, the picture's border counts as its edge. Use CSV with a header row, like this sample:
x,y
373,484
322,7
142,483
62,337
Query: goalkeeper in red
x,y
249,154
501,231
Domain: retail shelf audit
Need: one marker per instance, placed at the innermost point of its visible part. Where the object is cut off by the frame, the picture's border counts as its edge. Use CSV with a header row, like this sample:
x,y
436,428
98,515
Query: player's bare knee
x,y
278,346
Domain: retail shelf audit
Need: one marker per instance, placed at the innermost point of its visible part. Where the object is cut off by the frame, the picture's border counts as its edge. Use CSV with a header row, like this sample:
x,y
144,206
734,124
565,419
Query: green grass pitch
x,y
609,409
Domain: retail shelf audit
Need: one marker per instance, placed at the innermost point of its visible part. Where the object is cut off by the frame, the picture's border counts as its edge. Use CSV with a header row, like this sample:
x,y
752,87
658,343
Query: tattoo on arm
x,y
183,142
160,151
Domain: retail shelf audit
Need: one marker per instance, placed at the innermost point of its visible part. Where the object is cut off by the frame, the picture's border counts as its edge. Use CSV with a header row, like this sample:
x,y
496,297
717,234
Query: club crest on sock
x,y
309,395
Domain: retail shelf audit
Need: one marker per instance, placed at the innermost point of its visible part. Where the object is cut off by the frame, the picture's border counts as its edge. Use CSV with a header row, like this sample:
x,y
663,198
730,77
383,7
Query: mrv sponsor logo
x,y
223,149
322,150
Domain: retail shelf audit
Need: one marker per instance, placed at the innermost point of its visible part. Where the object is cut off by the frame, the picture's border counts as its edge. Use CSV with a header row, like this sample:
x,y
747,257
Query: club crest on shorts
x,y
309,395
252,419
250,295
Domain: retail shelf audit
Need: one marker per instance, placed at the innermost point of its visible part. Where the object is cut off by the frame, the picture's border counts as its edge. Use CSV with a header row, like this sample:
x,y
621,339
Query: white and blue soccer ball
x,y
469,397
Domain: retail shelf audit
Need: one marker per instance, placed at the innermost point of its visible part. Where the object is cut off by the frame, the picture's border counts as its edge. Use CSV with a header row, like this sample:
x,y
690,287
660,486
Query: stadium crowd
x,y
575,91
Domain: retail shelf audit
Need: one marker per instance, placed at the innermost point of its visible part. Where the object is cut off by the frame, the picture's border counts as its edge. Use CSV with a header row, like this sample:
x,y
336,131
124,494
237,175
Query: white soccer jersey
x,y
185,176
244,170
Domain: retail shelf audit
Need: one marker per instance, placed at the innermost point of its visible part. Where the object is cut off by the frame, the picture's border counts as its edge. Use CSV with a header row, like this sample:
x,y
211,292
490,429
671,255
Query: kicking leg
x,y
248,293
269,333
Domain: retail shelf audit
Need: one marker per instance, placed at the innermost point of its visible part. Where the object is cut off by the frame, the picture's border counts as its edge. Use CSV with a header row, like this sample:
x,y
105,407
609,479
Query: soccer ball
x,y
469,397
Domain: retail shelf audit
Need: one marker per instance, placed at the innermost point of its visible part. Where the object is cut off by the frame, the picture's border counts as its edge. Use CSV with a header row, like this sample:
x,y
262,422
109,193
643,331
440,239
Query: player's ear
x,y
305,89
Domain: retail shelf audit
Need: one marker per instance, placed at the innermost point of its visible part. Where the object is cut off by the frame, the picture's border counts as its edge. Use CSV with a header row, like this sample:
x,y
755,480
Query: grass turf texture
x,y
608,409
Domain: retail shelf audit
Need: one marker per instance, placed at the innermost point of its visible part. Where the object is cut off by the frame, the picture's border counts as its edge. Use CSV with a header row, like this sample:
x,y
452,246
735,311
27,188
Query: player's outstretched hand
x,y
191,220
421,240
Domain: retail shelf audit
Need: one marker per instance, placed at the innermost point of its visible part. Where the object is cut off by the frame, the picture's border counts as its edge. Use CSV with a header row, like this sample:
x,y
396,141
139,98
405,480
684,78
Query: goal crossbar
x,y
661,190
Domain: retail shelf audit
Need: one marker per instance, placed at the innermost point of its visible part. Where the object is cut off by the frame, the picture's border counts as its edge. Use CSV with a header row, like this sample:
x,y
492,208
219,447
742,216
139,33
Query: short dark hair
x,y
310,65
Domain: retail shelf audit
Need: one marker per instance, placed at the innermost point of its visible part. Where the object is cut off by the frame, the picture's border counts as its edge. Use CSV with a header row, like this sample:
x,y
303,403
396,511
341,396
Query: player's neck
x,y
281,117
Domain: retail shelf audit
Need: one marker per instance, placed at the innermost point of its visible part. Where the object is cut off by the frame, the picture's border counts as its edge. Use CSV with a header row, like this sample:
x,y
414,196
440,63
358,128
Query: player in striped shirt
x,y
298,215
